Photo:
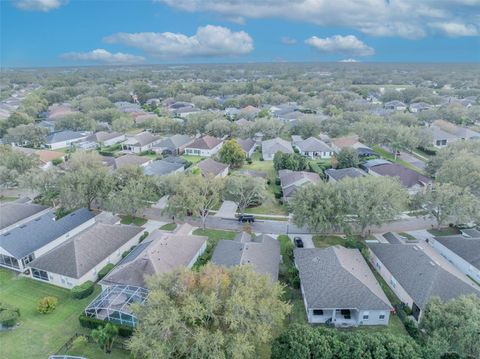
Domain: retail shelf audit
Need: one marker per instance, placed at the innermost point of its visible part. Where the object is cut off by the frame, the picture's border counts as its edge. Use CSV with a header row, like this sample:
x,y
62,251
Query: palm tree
x,y
105,336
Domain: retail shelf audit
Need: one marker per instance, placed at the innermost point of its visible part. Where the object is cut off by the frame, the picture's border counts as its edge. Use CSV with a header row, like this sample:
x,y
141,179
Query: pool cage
x,y
114,304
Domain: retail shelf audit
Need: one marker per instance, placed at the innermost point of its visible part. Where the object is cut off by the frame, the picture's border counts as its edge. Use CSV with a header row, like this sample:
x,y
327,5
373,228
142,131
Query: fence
x,y
117,344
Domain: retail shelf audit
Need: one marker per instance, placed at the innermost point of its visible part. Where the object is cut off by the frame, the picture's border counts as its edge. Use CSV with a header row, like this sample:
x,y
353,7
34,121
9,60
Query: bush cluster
x,y
93,323
104,271
83,290
47,304
143,236
8,315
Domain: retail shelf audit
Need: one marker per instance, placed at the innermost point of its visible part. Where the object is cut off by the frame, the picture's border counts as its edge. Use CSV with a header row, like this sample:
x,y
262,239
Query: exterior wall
x,y
325,155
223,174
63,144
114,140
203,152
456,260
199,253
267,156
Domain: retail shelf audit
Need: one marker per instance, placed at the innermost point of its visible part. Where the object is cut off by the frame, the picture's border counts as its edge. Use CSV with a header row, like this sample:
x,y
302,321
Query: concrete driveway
x,y
227,210
306,238
414,161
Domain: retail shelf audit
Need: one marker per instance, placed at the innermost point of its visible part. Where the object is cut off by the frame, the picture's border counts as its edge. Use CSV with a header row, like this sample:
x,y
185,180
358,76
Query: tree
x,y
290,161
195,194
76,122
307,126
122,123
215,312
45,183
347,157
30,134
232,153
105,336
245,191
452,327
449,152
219,128
13,164
449,202
462,170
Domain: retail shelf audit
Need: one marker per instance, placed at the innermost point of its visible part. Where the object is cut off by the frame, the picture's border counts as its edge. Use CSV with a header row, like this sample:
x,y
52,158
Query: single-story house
x,y
162,168
14,214
131,160
290,181
161,252
21,245
261,252
142,142
213,168
79,259
415,277
335,175
339,288
205,146
463,252
445,132
409,178
395,105
270,147
248,146
66,138
347,142
104,138
173,145
419,107
314,148
184,112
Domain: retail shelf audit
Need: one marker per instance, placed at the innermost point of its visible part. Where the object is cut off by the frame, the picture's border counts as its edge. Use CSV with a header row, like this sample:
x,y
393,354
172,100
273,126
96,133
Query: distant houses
x,y
395,105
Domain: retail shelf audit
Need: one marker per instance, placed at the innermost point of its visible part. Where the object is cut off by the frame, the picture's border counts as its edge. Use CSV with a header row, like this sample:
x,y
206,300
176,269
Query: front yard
x,y
214,235
137,221
447,231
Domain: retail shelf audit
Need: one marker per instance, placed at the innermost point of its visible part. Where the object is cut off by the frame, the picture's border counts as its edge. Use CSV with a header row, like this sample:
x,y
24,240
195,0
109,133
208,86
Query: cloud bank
x,y
39,5
339,44
104,56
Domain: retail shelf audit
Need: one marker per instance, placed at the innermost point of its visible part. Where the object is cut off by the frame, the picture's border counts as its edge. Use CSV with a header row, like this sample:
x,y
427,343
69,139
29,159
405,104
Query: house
x,y
409,178
131,160
160,253
213,168
463,252
232,113
419,107
339,288
21,245
445,132
205,146
415,277
184,112
104,138
336,175
313,147
249,112
162,168
173,145
58,111
124,106
347,142
141,142
261,252
248,146
395,105
290,181
270,147
79,259
15,214
63,139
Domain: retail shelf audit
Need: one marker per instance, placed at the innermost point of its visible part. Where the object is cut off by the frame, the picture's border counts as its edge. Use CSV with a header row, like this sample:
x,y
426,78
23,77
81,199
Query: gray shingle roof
x,y
313,144
466,248
161,168
421,277
35,234
130,160
83,252
406,176
12,212
338,277
339,174
276,145
66,135
205,143
174,142
262,252
247,144
212,167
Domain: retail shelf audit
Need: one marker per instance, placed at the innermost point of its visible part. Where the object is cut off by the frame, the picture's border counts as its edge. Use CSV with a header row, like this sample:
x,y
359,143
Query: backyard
x,y
40,335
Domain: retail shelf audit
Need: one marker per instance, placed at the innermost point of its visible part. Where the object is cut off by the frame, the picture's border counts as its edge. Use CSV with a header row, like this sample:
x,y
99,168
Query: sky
x,y
38,33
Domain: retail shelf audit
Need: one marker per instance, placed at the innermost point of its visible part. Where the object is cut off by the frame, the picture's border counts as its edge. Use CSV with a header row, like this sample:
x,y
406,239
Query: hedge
x,y
8,318
83,290
144,235
104,271
93,323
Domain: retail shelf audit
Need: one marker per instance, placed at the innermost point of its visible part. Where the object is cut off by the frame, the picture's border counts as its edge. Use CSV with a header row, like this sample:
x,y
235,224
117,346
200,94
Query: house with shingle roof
x,y
81,257
445,133
270,147
105,138
173,145
415,277
205,146
210,167
14,214
313,147
462,251
410,179
290,181
141,142
162,168
63,139
395,105
261,252
28,241
335,175
248,146
131,160
339,288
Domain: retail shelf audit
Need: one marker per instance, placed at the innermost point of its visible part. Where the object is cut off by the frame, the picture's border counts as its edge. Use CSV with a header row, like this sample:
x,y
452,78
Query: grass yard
x,y
447,231
214,235
409,237
137,221
7,199
193,159
168,227
328,241
39,335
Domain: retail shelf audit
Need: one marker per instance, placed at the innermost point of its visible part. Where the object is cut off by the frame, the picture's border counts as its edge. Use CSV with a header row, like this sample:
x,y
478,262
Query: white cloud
x,y
208,41
455,29
39,5
348,60
288,40
404,18
339,44
104,56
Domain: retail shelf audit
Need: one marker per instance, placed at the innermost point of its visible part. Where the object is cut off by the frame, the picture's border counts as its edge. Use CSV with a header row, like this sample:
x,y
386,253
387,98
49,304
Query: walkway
x,y
227,210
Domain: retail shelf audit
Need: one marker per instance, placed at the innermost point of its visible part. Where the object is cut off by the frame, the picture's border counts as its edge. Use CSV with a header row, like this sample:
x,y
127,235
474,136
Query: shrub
x,y
249,161
144,235
277,181
261,159
8,318
94,323
104,271
278,193
411,328
80,342
47,305
83,290
57,161
6,306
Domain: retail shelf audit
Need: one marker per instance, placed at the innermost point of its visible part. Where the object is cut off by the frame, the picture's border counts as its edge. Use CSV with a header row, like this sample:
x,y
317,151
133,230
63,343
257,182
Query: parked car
x,y
246,218
298,242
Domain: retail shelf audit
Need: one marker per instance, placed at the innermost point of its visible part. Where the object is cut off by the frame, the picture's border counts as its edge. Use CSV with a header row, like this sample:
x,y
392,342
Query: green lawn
x,y
92,350
447,231
39,335
168,227
390,157
133,220
7,199
328,241
214,235
408,236
193,159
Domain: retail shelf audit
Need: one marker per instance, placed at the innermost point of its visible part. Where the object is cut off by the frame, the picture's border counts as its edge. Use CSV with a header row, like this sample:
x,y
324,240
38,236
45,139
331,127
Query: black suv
x,y
246,218
298,242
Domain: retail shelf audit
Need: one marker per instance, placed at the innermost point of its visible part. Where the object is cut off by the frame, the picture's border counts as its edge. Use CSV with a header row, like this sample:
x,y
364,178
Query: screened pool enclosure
x,y
114,304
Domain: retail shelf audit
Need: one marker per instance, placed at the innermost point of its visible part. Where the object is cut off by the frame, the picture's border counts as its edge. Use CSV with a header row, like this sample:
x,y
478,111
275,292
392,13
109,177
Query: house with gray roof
x,y
63,139
173,145
213,168
290,181
463,251
395,105
81,257
261,252
205,146
410,179
335,175
313,147
14,214
131,160
21,245
415,277
248,146
105,138
141,142
162,168
270,147
445,133
339,288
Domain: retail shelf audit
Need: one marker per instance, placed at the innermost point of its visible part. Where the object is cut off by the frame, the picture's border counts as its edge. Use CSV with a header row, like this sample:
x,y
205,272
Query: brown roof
x,y
210,166
47,156
205,143
406,176
247,144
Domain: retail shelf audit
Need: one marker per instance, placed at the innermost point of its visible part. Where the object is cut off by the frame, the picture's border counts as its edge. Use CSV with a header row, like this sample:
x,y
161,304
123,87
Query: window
x,y
317,312
9,261
366,315
28,259
40,274
381,316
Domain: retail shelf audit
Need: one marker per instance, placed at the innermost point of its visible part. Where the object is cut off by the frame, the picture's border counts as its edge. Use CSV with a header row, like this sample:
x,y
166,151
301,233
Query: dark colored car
x,y
298,242
246,218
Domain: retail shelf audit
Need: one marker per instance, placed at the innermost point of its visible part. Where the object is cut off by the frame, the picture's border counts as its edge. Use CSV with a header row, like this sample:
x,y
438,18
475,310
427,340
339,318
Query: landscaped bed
x,y
138,221
169,227
447,231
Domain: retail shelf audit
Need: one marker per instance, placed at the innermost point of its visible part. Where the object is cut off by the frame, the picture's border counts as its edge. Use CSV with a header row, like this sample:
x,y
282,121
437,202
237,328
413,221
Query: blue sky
x,y
81,32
